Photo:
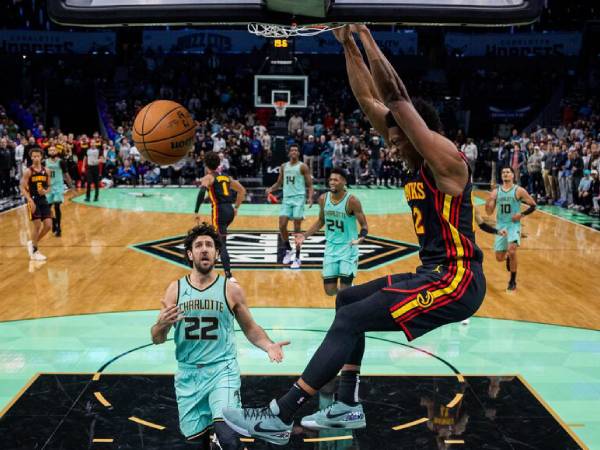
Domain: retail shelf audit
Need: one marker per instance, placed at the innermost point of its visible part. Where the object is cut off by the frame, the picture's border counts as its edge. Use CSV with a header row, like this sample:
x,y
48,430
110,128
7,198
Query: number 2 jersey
x,y
206,333
444,224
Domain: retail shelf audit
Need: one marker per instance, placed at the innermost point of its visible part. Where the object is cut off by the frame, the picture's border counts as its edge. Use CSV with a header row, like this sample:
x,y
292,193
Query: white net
x,y
270,30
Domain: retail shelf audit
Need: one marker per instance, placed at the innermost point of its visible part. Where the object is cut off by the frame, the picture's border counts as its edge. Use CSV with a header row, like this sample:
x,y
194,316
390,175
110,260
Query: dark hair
x,y
509,168
429,114
293,145
36,150
203,229
341,172
212,160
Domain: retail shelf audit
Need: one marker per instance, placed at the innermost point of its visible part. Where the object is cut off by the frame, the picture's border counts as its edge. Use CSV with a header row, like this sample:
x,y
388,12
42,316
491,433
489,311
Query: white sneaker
x,y
465,322
296,264
289,255
37,256
30,248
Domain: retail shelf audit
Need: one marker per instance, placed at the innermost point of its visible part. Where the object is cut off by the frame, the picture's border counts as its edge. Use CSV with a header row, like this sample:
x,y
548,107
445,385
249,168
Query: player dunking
x,y
508,198
56,196
339,212
295,178
226,195
35,185
448,287
202,307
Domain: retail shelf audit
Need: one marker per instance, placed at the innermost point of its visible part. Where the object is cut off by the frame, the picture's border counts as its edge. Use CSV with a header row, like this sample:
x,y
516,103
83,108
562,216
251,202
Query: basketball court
x,y
78,369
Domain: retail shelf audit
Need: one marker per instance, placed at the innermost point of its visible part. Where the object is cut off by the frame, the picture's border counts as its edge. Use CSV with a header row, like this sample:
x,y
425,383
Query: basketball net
x,y
271,30
280,107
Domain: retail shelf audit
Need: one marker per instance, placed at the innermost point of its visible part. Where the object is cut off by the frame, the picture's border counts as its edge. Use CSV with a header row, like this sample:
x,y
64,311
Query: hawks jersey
x,y
293,180
444,224
206,333
507,204
220,191
37,181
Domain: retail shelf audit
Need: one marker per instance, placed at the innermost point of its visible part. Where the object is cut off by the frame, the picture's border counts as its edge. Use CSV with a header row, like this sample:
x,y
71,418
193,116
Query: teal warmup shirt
x,y
56,174
340,227
206,333
293,181
507,205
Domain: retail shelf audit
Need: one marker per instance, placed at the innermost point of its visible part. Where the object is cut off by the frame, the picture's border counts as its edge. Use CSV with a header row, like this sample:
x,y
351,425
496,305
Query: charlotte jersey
x,y
57,168
220,192
38,180
293,181
206,333
507,205
444,224
340,227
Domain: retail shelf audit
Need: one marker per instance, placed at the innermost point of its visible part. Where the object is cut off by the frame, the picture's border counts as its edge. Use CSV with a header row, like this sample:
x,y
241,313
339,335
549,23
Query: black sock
x,y
297,252
287,245
508,263
228,273
348,387
292,402
513,277
34,248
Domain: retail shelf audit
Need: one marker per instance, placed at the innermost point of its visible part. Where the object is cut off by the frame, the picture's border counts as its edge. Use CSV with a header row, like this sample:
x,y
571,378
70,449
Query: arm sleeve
x,y
488,228
200,198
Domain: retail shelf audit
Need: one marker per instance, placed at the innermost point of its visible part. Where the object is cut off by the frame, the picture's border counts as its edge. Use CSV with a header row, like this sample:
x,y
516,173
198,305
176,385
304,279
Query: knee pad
x,y
228,439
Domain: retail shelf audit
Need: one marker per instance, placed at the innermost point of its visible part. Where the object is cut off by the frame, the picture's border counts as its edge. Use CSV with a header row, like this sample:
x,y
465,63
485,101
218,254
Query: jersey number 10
x,y
193,324
505,208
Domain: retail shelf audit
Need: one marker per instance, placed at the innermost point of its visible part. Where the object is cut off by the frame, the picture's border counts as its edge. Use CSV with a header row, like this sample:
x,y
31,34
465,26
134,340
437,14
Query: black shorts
x,y
42,209
222,216
434,296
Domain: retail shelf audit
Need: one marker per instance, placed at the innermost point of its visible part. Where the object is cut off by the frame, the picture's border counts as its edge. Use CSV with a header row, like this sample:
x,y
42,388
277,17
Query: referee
x,y
91,162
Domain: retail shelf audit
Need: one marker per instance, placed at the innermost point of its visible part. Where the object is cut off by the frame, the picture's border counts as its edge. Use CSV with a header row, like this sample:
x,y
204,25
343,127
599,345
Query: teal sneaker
x,y
336,415
260,423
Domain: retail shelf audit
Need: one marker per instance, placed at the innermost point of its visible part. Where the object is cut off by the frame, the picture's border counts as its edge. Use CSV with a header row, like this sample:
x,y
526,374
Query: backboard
x,y
285,12
292,89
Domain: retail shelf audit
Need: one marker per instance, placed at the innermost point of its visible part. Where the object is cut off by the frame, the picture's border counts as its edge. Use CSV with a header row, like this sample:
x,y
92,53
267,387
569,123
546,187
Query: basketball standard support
x,y
232,12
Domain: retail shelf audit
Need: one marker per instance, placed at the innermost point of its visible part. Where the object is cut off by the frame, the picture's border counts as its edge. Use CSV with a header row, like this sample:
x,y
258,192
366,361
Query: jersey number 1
x,y
193,324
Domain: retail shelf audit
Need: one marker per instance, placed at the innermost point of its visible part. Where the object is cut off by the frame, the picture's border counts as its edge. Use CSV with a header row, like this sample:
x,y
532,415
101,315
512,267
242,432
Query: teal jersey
x,y
56,174
206,333
507,204
293,180
340,227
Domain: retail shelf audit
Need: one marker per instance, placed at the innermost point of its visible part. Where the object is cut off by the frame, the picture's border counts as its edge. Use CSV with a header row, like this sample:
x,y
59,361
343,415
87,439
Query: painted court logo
x,y
257,249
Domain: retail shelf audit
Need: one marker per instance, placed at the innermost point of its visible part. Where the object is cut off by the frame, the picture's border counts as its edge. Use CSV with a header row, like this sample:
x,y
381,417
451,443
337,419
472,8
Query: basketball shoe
x,y
261,423
336,415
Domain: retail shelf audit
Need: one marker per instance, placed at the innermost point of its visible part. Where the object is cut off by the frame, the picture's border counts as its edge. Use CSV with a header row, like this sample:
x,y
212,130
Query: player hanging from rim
x,y
221,190
508,197
56,196
35,185
339,211
448,287
295,178
202,307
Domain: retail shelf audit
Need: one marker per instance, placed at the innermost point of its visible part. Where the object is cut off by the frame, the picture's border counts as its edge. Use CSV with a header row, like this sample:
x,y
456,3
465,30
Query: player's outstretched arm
x,y
448,167
490,203
356,209
240,192
316,226
168,316
361,81
254,332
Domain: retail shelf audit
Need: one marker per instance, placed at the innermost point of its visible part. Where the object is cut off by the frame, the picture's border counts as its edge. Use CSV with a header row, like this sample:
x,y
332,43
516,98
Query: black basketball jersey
x,y
220,192
444,224
38,180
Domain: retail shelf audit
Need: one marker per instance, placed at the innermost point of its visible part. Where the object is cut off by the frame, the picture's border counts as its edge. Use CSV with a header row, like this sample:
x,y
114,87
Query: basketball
x,y
163,132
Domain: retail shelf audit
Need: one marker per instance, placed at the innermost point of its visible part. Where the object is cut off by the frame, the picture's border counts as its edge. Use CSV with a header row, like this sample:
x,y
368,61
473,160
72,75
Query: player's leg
x,y
35,235
88,183
284,218
195,419
96,178
330,272
225,218
297,230
56,221
225,393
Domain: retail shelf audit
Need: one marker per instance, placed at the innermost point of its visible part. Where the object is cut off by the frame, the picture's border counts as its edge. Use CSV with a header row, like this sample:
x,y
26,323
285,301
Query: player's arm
x,y
483,226
361,81
65,171
205,183
356,209
523,196
490,203
449,168
279,181
240,193
168,316
24,186
305,171
316,226
254,332
47,190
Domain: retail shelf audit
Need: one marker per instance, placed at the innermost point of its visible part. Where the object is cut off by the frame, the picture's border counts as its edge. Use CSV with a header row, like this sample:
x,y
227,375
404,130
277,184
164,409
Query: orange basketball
x,y
163,132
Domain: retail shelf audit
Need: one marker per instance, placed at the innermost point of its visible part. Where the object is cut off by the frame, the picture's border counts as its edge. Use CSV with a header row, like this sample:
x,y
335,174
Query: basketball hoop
x,y
271,30
280,107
